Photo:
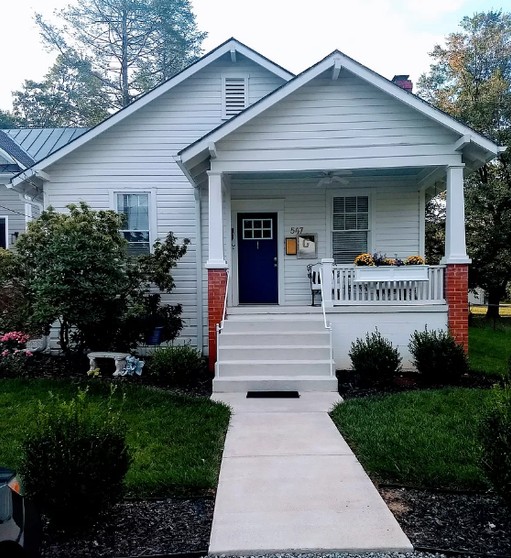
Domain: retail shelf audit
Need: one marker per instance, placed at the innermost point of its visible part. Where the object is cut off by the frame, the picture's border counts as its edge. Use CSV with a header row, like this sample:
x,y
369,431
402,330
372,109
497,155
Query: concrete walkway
x,y
289,482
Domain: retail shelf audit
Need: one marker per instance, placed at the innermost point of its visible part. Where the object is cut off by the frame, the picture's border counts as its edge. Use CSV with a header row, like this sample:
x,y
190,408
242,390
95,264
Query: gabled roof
x,y
337,61
231,46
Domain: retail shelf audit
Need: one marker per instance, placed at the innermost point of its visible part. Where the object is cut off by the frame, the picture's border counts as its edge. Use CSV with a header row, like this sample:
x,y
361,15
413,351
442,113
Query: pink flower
x,y
5,353
29,353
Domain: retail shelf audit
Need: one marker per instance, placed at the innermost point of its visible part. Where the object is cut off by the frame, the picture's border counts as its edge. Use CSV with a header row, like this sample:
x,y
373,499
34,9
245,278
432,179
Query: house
x,y
267,172
19,150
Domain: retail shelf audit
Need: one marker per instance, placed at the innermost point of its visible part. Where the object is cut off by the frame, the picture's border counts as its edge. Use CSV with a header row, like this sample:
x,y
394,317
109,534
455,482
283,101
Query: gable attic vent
x,y
235,96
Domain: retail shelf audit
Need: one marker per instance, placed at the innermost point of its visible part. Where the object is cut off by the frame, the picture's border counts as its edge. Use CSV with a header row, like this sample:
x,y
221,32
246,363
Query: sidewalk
x,y
289,481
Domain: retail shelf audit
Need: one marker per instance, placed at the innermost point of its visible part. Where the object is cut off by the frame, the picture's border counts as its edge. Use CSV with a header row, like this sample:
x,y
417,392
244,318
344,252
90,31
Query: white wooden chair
x,y
313,273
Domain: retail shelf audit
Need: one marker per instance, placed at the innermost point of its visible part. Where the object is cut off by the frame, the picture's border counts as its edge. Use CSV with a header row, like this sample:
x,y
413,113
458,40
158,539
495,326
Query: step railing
x,y
328,325
346,290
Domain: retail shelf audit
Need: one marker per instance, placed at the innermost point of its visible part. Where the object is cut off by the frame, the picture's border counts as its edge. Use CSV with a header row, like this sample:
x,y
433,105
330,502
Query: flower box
x,y
391,273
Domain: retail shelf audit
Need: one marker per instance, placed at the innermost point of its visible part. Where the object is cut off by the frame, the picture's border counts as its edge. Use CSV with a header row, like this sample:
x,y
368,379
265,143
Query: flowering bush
x,y
13,355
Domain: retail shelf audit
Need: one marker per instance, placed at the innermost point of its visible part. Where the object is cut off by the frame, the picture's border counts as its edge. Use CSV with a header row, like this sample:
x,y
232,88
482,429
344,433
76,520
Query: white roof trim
x,y
226,48
335,60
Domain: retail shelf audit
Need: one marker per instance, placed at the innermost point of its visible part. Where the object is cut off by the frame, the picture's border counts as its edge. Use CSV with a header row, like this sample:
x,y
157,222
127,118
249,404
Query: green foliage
x,y
421,437
69,95
375,359
470,79
489,346
495,436
8,120
177,366
74,268
13,305
129,47
74,459
437,356
176,441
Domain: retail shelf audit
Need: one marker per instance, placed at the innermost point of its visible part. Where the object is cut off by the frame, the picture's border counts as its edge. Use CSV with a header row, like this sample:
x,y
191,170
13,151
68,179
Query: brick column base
x,y
217,283
456,295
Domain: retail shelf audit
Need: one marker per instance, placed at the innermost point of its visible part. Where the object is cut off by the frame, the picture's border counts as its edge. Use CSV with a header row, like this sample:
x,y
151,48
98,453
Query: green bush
x,y
74,460
495,436
178,366
375,359
437,356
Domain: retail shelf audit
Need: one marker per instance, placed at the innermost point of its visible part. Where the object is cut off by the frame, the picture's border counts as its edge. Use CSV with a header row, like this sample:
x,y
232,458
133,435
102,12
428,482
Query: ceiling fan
x,y
334,177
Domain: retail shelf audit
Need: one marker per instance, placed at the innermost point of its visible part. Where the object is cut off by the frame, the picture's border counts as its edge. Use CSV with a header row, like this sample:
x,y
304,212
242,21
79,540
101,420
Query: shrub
x,y
13,355
178,366
74,460
375,359
437,356
495,436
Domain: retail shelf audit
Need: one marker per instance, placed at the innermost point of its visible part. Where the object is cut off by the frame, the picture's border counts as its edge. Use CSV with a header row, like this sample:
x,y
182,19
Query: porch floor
x,y
289,482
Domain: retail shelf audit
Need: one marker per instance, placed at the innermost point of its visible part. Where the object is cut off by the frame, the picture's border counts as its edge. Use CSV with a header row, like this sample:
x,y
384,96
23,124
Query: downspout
x,y
198,251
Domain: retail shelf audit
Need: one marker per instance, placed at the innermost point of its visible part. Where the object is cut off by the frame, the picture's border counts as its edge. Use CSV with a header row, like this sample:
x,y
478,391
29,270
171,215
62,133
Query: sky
x,y
389,36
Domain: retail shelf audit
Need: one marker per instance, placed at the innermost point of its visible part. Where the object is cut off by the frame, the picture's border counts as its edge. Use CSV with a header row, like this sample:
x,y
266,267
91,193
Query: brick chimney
x,y
403,81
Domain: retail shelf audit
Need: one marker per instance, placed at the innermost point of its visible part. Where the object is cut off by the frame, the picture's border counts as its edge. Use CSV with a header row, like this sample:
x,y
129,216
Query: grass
x,y
422,438
176,441
490,345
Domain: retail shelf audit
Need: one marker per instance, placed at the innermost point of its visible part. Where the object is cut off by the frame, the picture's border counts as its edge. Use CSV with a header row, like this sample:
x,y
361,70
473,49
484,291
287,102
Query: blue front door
x,y
258,258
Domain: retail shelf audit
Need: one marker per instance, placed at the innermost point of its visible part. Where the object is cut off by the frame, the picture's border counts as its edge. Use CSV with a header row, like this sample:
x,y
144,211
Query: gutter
x,y
198,252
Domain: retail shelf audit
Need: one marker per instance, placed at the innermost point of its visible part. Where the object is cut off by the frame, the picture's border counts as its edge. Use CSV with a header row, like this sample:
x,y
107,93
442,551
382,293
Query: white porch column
x,y
216,258
327,283
455,244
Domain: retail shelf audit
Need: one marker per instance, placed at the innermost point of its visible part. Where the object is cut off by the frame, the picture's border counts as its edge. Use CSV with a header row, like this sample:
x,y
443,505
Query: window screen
x,y
350,227
135,211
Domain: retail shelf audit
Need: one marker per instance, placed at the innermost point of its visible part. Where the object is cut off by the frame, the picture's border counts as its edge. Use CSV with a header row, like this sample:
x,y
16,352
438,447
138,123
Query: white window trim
x,y
225,77
330,215
7,243
151,192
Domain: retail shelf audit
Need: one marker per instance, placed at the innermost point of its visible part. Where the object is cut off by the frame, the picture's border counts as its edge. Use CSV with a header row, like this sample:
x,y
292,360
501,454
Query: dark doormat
x,y
274,394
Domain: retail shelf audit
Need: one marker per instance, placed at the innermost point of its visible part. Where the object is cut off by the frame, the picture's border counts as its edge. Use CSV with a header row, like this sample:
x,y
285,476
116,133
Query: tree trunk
x,y
124,61
493,304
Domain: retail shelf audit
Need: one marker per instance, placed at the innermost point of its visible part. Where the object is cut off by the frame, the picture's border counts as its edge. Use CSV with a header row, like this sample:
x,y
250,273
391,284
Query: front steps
x,y
274,351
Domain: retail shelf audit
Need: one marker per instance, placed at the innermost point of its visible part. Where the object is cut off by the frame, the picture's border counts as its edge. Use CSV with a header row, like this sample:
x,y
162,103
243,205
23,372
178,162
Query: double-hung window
x,y
134,208
350,228
4,240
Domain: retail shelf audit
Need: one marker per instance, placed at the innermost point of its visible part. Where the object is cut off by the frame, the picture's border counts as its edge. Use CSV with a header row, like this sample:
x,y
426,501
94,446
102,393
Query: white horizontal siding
x,y
13,208
334,121
138,154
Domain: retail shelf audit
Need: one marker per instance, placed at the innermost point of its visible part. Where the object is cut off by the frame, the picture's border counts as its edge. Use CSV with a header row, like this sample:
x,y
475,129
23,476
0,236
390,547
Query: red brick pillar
x,y
217,283
456,295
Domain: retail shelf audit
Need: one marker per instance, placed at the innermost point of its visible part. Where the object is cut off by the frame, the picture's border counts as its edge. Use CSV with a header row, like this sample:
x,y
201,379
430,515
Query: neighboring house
x,y
267,172
19,150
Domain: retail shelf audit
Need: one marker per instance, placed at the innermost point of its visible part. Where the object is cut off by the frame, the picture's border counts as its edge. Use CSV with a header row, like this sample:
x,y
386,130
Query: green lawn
x,y
176,441
423,438
490,345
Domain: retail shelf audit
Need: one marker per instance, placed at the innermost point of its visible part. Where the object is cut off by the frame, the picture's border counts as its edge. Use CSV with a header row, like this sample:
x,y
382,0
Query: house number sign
x,y
296,230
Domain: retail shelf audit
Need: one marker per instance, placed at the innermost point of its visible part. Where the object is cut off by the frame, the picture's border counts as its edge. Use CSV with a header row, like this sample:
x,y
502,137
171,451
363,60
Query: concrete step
x,y
230,338
278,352
243,368
274,383
258,324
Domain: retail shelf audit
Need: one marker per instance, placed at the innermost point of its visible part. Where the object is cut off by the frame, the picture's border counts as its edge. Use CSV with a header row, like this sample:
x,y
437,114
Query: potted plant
x,y
378,267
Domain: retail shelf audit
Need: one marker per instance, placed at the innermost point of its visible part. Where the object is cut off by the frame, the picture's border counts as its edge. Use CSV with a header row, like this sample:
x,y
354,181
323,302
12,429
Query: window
x,y
257,228
135,211
350,227
3,232
234,95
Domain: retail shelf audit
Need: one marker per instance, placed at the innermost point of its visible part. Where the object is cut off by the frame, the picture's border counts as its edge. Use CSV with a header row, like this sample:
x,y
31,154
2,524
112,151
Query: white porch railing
x,y
347,291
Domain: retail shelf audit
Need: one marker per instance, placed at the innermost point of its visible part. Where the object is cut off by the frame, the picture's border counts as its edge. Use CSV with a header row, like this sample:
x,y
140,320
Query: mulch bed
x,y
458,523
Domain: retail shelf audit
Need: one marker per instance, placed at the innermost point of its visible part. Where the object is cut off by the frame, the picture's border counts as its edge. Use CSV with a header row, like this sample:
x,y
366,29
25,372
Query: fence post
x,y
327,281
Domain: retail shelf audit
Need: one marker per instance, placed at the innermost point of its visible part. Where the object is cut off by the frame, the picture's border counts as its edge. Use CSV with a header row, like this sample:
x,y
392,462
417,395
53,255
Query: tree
x,y
8,120
69,95
131,45
75,270
435,229
471,80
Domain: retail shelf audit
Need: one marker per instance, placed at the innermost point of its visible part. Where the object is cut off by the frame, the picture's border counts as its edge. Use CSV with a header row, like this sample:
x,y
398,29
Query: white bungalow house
x,y
266,173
